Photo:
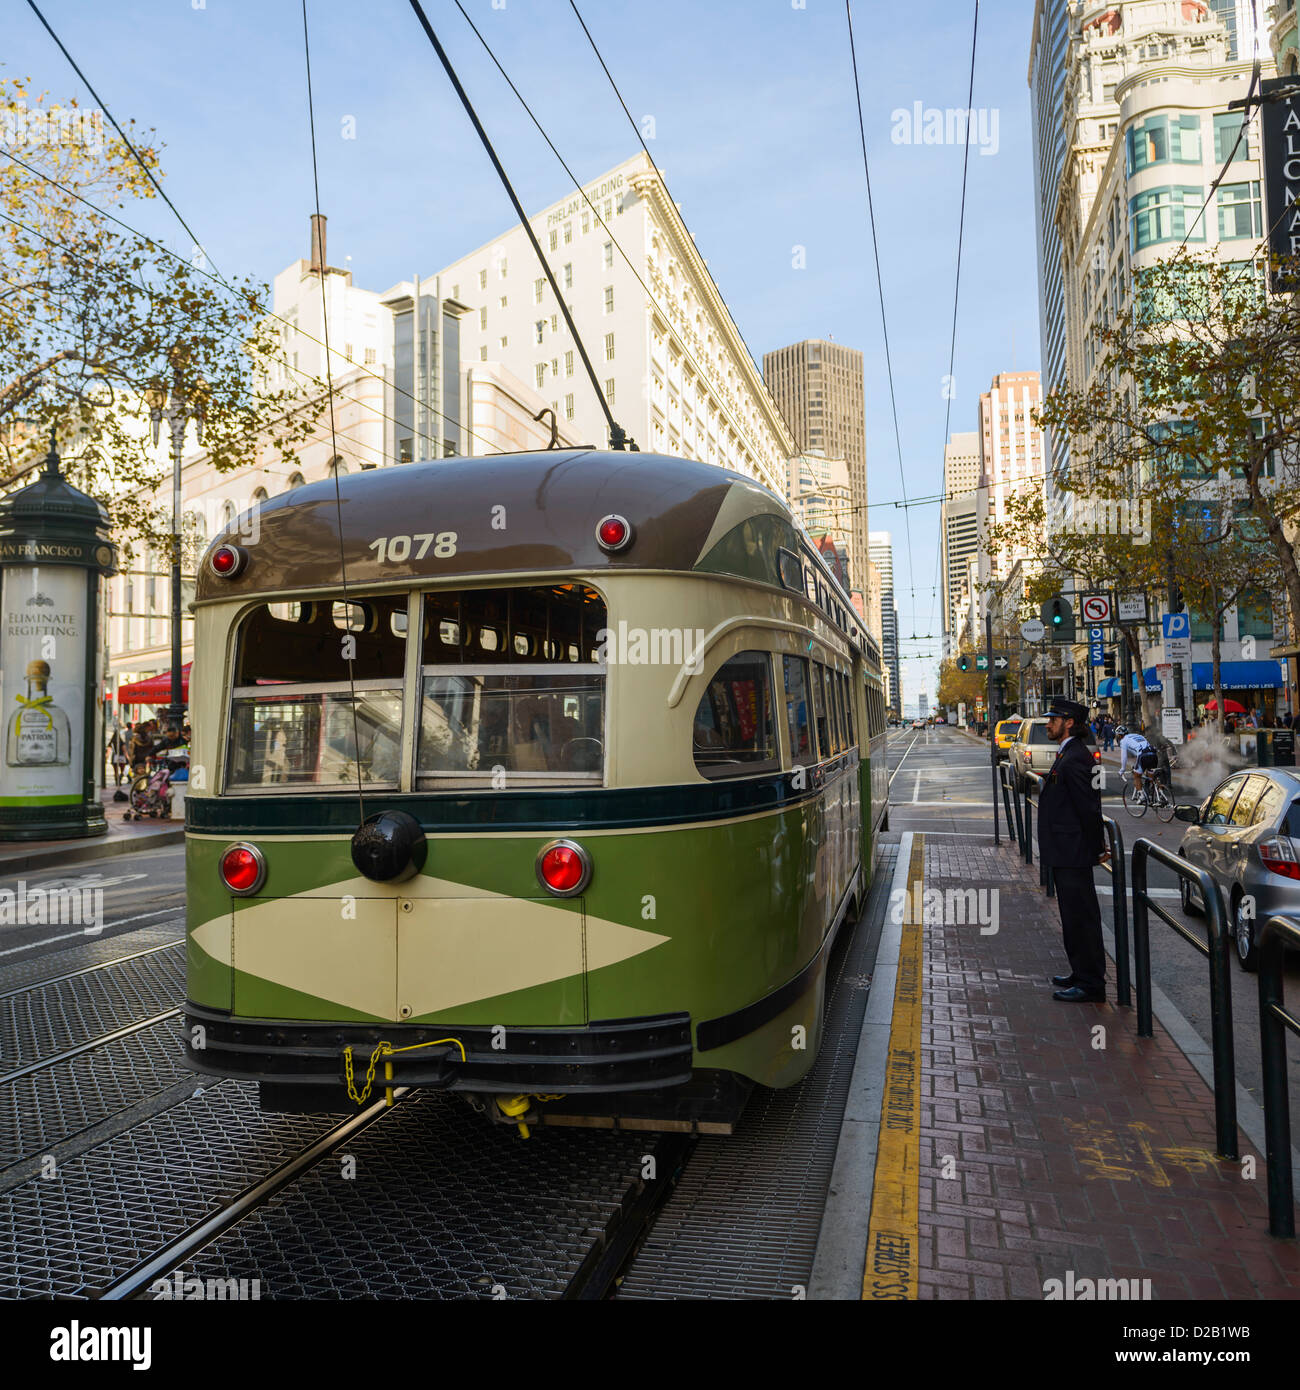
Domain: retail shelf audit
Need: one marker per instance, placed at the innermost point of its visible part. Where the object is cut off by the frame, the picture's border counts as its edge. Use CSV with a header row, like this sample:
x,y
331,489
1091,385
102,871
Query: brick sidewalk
x,y
1067,1156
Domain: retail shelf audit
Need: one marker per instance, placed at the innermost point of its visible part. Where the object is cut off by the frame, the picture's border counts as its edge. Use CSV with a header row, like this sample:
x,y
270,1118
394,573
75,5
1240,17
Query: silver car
x,y
1247,834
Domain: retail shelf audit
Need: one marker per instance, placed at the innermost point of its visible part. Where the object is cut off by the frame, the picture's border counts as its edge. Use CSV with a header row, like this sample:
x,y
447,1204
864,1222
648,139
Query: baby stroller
x,y
151,793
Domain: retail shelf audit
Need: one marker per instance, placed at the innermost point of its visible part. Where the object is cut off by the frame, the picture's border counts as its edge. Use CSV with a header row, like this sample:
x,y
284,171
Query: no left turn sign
x,y
1096,608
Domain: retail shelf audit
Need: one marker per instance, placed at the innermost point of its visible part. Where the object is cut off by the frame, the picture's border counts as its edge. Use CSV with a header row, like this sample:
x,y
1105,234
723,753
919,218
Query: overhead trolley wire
x,y
880,287
349,641
618,438
135,154
658,172
251,299
650,294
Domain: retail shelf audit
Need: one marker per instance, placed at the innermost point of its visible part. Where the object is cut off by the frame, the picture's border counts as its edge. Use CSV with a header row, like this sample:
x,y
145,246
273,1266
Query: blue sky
x,y
755,128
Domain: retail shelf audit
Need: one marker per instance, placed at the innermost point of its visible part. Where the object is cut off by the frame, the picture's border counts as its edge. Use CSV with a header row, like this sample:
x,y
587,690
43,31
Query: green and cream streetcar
x,y
546,778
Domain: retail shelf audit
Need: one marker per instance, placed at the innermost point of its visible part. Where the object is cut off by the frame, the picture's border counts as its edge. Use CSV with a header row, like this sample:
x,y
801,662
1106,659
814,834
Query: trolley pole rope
x,y
617,435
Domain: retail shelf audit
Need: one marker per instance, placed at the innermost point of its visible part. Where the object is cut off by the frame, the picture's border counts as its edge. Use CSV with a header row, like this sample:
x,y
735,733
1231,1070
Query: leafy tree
x,y
92,316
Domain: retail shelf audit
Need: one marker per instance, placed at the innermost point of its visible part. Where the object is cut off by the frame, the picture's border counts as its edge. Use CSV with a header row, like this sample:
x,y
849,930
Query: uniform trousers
x,y
1076,895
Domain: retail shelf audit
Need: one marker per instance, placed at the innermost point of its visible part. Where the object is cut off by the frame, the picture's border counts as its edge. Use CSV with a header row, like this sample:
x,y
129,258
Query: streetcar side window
x,y
820,716
734,735
318,696
798,719
512,688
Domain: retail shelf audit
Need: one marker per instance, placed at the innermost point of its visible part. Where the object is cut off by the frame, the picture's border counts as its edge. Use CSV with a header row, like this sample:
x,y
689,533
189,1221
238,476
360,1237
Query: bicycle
x,y
1142,790
150,792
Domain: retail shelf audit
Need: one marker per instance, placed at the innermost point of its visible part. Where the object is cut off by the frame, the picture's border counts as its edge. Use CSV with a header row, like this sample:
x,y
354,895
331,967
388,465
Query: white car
x,y
918,723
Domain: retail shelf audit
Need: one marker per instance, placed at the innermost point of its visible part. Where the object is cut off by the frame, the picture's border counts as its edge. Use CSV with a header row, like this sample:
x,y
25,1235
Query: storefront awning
x,y
157,690
1234,675
1111,687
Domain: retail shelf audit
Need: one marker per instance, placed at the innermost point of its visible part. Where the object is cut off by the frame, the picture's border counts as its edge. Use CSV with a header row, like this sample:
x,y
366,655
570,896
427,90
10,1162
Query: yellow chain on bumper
x,y
386,1049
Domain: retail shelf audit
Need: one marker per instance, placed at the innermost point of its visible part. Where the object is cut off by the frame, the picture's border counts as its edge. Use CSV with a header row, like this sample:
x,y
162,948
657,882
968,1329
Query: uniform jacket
x,y
1070,832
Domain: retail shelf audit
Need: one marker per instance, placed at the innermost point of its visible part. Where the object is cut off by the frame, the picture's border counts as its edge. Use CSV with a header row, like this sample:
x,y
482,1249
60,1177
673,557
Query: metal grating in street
x,y
108,1209
443,1205
744,1220
18,971
45,1020
53,1104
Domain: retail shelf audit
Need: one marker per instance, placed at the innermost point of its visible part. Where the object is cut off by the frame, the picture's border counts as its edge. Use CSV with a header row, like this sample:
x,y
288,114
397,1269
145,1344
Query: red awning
x,y
157,690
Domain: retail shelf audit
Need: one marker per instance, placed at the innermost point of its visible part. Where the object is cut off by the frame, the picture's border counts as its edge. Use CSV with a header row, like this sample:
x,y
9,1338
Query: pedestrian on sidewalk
x,y
1071,841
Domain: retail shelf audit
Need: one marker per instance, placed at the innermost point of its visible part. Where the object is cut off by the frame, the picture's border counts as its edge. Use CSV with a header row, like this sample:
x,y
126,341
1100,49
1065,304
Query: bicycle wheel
x,y
1135,803
139,794
1164,802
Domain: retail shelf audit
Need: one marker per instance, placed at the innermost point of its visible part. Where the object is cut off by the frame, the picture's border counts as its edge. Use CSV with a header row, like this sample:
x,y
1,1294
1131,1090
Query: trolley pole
x,y
993,722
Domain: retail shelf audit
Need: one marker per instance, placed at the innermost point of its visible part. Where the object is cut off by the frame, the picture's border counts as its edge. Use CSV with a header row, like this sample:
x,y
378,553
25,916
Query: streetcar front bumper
x,y
619,1055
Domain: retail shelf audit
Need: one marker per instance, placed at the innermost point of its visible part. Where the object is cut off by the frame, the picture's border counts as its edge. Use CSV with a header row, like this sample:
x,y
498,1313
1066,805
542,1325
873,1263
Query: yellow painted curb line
x,y
893,1235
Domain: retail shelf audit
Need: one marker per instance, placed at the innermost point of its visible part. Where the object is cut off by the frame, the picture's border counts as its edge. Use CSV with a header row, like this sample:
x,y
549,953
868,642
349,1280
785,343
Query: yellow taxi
x,y
1004,735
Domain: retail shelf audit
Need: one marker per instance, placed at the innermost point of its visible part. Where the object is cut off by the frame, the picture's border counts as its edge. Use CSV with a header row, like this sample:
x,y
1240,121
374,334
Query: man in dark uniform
x,y
1071,840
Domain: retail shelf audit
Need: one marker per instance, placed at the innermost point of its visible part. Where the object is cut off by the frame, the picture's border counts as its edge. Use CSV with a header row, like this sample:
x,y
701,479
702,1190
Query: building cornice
x,y
648,184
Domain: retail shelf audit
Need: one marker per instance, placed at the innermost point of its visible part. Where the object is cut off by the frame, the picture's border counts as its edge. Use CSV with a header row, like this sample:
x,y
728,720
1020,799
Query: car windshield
x,y
1037,734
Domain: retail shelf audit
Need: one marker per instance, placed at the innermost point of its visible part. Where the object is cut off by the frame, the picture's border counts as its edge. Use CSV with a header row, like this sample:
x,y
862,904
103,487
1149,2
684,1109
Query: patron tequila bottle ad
x,y
42,679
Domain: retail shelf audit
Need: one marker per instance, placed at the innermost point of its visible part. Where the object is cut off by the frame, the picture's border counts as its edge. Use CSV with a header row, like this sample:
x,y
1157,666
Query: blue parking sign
x,y
1096,647
1176,625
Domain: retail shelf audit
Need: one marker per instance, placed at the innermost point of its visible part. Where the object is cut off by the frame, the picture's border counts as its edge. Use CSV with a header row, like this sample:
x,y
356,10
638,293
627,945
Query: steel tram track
x,y
170,1257
597,1274
93,969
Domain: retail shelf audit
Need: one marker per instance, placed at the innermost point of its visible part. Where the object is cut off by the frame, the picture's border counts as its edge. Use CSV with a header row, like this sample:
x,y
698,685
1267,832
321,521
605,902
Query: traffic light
x,y
963,663
1058,619
1109,667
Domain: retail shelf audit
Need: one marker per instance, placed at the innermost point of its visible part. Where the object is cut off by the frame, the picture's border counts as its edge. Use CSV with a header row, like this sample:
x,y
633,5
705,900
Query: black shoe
x,y
1063,981
1076,994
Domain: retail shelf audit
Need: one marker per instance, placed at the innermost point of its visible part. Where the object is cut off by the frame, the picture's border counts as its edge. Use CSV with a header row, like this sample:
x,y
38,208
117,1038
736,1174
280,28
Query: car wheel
x,y
1244,935
1190,906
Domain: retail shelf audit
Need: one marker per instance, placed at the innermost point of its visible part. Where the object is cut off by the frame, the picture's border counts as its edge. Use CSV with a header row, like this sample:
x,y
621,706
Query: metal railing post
x,y
1119,899
1142,939
1221,1039
1216,950
1274,1020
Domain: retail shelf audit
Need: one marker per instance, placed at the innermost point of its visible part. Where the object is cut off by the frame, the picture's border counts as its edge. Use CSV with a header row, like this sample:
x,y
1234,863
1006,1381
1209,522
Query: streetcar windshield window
x,y
311,738
512,691
797,718
318,696
734,734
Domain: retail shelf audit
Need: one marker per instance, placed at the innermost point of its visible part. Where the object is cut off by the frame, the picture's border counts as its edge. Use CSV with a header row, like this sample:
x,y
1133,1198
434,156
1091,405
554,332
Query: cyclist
x,y
1145,760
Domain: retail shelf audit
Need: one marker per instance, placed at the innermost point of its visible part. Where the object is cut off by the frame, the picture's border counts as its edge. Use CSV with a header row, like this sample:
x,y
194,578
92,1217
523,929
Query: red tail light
x,y
564,868
1279,857
243,869
614,533
228,561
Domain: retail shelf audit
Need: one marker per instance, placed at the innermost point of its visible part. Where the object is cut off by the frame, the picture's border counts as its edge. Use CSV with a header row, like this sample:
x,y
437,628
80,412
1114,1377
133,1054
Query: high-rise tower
x,y
818,386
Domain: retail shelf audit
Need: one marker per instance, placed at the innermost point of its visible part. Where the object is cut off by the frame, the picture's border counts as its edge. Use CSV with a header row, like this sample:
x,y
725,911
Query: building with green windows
x,y
1282,37
1150,126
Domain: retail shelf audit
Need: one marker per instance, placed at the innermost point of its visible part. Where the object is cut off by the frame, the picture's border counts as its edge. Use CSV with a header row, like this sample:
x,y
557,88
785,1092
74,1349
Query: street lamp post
x,y
177,408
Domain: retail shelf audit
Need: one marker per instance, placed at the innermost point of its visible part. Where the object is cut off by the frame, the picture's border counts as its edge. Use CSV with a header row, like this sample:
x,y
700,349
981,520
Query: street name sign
x,y
1033,630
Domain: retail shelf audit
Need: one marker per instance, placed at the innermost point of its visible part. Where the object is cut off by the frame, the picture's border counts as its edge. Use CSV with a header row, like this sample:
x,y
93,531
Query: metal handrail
x,y
1221,1043
1011,800
1046,879
1274,1019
